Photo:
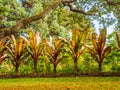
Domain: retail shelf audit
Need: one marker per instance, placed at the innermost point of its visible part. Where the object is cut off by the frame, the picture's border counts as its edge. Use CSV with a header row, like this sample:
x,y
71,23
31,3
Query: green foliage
x,y
88,62
118,40
26,66
59,22
112,61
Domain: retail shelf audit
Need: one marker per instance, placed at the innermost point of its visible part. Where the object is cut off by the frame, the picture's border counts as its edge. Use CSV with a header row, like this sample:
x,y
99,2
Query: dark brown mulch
x,y
102,74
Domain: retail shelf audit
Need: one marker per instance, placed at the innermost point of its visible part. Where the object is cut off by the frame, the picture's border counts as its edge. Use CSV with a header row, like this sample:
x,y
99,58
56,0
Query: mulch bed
x,y
102,74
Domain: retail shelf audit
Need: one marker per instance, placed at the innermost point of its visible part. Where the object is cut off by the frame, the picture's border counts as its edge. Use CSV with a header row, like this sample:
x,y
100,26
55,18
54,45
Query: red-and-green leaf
x,y
99,45
3,51
75,35
94,42
41,47
80,52
35,46
32,38
20,46
85,34
53,53
106,51
118,40
14,40
102,39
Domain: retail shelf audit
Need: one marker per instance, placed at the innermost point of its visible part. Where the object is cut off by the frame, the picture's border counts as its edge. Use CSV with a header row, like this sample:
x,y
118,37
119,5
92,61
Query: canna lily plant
x,y
75,46
99,51
35,47
53,51
16,50
3,51
118,40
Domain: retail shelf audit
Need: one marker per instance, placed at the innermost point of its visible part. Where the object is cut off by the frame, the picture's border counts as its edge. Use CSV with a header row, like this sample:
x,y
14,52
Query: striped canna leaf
x,y
106,51
94,42
3,51
102,39
118,40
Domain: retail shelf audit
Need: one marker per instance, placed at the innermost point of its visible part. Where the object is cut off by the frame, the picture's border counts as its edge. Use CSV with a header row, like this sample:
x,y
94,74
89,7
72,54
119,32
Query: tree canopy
x,y
47,16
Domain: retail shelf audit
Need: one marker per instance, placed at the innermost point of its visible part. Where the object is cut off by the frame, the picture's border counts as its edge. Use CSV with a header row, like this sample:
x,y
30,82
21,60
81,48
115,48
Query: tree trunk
x,y
16,70
76,67
35,67
0,61
54,71
100,67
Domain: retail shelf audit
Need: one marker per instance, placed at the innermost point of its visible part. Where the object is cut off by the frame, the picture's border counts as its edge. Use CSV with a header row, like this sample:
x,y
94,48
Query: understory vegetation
x,y
32,55
59,37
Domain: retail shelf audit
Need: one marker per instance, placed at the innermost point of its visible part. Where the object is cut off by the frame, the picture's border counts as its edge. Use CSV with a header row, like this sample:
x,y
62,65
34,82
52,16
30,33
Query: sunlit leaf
x,y
94,42
118,40
107,51
102,38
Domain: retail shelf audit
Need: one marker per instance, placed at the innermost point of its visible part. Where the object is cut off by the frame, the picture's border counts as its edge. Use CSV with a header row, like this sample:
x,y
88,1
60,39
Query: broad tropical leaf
x,y
102,39
3,51
94,42
106,52
118,40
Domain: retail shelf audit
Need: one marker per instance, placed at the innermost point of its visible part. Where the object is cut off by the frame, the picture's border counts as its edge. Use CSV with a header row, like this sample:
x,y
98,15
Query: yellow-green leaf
x,y
118,40
107,51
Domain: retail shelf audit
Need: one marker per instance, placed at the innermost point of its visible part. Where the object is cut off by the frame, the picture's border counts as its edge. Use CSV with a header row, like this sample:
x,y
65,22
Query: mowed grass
x,y
66,83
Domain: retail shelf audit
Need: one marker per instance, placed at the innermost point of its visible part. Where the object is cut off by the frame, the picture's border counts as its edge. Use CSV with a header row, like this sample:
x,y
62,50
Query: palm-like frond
x,y
55,52
78,37
3,51
16,49
118,40
35,47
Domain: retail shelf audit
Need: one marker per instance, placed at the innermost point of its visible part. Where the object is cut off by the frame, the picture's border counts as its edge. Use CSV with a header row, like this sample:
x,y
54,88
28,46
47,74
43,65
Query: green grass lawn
x,y
67,83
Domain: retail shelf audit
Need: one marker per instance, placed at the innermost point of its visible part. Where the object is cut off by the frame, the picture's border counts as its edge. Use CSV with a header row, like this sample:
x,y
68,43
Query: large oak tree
x,y
12,9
